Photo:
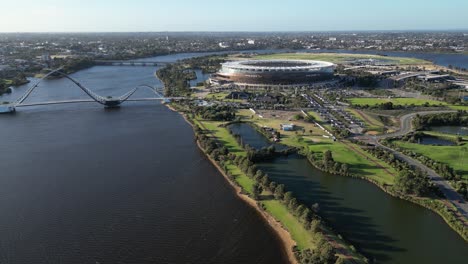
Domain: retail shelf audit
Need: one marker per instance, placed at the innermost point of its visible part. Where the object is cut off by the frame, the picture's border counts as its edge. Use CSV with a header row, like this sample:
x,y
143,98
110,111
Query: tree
x,y
344,169
306,215
272,186
256,191
279,192
287,197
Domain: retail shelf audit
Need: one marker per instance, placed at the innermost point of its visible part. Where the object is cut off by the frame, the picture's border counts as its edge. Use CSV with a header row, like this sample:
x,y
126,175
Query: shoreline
x,y
281,233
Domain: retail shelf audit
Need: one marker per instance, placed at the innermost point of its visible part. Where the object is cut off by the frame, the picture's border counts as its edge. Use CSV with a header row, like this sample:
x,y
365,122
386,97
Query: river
x,y
81,184
384,228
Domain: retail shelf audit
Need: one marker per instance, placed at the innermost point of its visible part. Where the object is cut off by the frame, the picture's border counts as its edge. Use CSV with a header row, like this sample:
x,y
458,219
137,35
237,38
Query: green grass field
x,y
245,182
360,162
454,156
279,211
223,136
372,123
341,57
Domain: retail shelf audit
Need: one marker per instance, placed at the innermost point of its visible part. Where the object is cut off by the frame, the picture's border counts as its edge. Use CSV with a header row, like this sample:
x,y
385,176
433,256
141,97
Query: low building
x,y
288,127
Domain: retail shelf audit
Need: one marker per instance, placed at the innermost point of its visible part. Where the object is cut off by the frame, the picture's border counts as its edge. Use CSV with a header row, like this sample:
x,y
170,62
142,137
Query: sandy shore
x,y
285,237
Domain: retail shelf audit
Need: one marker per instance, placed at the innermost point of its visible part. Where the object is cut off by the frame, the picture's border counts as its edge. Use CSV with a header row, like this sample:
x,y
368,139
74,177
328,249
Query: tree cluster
x,y
324,253
208,64
409,180
325,162
459,118
216,112
175,80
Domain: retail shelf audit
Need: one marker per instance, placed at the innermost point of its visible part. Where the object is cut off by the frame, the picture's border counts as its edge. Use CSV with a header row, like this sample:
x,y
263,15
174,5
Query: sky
x,y
230,15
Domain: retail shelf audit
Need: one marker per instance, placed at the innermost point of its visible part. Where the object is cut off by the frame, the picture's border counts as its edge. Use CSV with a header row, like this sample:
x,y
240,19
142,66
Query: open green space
x,y
245,182
360,162
223,136
371,121
341,57
303,238
454,156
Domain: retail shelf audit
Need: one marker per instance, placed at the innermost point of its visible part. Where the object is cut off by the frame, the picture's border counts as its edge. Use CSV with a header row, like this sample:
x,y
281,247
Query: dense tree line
x,y
4,87
392,106
175,80
17,80
324,253
409,180
208,64
442,169
326,162
71,65
216,112
362,79
459,118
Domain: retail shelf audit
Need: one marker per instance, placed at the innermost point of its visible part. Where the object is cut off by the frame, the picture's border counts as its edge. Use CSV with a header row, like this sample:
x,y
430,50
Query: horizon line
x,y
243,31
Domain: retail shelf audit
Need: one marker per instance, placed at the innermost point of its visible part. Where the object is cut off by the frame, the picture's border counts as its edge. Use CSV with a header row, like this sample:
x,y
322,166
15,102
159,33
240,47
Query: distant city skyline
x,y
240,15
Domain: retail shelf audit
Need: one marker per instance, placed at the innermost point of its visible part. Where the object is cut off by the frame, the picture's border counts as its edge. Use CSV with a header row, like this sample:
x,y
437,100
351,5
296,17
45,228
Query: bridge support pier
x,y
7,108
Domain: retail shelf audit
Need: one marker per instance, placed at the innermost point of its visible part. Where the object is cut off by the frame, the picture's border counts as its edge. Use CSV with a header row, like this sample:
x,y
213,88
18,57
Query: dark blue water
x,y
81,184
428,140
454,130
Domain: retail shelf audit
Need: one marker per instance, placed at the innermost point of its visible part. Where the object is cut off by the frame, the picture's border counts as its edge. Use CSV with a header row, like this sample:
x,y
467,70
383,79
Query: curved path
x,y
406,124
406,127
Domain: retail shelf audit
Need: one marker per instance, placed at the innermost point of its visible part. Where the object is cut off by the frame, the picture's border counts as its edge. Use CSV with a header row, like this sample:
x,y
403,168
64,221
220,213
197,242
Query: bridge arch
x,y
97,98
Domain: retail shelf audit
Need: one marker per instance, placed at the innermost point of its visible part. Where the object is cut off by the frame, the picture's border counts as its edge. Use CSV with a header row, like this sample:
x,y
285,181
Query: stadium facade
x,y
275,72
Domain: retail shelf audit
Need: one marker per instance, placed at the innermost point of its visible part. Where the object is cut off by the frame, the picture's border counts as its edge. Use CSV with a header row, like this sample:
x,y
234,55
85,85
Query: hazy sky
x,y
230,15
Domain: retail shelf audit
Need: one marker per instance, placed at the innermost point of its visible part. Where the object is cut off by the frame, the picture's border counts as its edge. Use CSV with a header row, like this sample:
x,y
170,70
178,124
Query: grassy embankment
x,y
403,101
342,57
366,166
373,124
454,156
304,239
360,163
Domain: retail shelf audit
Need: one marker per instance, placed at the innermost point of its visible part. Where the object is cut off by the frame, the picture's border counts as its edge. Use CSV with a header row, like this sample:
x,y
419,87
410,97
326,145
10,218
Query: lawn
x,y
245,182
372,123
360,162
454,156
341,57
223,136
279,211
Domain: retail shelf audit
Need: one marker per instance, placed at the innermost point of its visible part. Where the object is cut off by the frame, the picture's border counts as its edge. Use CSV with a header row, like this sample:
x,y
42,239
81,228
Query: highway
x,y
406,127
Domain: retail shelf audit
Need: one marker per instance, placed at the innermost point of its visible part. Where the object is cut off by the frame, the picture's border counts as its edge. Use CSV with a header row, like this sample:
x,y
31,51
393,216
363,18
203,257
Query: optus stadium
x,y
275,72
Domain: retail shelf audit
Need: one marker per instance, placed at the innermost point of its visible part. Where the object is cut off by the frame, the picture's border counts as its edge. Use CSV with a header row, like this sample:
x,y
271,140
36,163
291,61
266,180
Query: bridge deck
x,y
92,101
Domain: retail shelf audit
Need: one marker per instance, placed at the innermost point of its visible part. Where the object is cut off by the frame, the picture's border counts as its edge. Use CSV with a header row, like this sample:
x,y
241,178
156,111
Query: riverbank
x,y
306,238
361,165
283,235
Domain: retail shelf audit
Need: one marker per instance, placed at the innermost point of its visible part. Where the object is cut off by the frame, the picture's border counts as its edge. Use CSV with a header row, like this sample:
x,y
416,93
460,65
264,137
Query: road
x,y
406,123
406,126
